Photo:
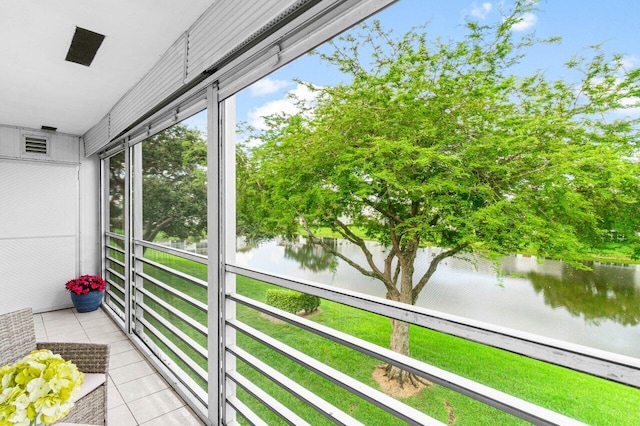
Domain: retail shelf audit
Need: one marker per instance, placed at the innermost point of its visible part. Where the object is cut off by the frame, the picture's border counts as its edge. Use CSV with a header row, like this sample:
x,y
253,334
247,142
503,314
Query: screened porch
x,y
128,167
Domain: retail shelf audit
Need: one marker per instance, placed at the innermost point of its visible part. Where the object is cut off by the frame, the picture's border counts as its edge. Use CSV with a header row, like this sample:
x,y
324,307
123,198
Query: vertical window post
x,y
138,250
228,235
127,240
215,296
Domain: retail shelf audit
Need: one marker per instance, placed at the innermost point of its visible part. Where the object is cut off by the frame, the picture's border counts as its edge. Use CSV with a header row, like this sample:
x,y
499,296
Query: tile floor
x,y
138,395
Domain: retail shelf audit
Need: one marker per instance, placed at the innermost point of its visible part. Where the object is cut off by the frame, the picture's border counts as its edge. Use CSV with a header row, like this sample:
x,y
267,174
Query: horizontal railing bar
x,y
245,412
115,285
323,407
184,385
118,249
176,252
267,400
596,362
114,235
184,317
375,397
500,400
174,348
176,377
114,272
116,261
188,340
175,272
115,297
116,315
189,299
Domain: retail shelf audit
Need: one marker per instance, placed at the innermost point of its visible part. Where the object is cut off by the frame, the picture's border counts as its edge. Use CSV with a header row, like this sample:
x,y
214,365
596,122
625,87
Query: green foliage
x,y
589,399
292,301
174,184
444,142
174,190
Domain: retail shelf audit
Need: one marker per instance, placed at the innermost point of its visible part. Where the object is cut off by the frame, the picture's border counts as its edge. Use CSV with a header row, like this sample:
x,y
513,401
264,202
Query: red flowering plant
x,y
86,284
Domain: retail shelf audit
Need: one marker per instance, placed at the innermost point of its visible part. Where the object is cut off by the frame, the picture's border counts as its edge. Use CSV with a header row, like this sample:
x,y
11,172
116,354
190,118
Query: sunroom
x,y
127,131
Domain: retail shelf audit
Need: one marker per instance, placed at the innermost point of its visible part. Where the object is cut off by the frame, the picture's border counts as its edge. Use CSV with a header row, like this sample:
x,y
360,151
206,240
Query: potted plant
x,y
39,389
86,292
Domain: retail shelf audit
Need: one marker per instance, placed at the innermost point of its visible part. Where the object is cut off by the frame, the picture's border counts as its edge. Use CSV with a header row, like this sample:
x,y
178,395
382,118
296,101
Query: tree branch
x,y
373,273
367,254
432,269
382,211
152,231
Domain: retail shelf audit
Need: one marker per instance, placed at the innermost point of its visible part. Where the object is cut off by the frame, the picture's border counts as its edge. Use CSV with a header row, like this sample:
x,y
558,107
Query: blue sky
x,y
580,23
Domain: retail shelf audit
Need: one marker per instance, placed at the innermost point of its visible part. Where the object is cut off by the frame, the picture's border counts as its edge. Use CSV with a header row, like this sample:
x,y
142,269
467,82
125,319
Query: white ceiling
x,y
38,87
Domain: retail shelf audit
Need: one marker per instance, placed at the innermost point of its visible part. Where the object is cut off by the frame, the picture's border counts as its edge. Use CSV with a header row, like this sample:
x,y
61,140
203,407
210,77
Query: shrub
x,y
292,301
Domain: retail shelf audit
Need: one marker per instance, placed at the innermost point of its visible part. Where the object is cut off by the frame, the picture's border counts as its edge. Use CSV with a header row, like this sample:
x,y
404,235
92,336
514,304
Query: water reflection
x,y
310,256
602,293
598,308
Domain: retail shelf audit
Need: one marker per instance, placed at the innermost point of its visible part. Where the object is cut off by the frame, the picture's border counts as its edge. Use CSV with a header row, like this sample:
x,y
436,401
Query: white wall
x,y
48,220
89,214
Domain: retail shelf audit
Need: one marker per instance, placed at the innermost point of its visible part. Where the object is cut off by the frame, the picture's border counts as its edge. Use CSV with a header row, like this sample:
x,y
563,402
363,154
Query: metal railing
x,y
163,318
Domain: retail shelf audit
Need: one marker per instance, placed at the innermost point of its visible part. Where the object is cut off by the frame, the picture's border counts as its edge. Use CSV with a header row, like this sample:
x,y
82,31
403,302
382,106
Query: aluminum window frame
x,y
215,93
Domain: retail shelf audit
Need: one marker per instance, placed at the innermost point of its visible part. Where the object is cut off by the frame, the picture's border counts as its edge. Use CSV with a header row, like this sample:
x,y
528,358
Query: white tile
x,y
121,346
37,320
56,315
121,416
130,372
124,358
139,388
98,322
102,330
87,316
66,330
114,399
60,321
154,405
182,416
111,337
70,338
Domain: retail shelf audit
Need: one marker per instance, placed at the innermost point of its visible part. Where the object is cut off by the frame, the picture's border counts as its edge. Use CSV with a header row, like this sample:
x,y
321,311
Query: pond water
x,y
598,308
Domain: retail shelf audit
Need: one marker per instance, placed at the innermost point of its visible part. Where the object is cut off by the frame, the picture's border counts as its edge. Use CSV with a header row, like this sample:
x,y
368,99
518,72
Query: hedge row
x,y
292,301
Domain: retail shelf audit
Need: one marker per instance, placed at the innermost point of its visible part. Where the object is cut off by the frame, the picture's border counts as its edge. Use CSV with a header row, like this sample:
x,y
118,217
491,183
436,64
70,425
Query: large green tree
x,y
174,191
446,144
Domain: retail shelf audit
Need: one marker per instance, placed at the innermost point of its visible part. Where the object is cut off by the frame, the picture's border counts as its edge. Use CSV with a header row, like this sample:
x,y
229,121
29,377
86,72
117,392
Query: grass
x,y
589,399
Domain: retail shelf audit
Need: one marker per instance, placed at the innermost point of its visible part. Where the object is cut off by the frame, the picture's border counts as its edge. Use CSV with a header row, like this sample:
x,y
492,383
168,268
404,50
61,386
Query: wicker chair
x,y
17,339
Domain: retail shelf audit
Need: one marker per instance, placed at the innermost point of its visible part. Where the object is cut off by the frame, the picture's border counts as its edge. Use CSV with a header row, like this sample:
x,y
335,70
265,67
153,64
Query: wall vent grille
x,y
36,145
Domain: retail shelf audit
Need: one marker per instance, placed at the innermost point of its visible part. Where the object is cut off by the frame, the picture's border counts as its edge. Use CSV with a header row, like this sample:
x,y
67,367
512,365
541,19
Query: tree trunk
x,y
400,344
400,338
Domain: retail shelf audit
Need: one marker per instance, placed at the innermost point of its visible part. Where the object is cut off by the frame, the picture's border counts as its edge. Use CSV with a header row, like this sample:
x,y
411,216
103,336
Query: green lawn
x,y
589,399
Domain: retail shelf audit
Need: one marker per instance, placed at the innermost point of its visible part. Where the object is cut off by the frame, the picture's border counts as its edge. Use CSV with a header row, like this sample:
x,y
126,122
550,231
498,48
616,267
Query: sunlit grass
x,y
592,400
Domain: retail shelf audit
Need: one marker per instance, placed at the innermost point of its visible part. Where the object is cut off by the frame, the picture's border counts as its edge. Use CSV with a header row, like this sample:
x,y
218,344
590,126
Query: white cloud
x,y
267,86
630,110
630,62
481,11
527,20
286,105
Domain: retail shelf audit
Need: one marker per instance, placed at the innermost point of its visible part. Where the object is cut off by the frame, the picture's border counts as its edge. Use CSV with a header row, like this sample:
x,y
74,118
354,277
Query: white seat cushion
x,y
91,383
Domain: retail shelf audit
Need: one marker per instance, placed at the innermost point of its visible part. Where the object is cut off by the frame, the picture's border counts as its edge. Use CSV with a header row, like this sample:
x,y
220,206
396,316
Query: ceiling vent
x,y
36,145
84,46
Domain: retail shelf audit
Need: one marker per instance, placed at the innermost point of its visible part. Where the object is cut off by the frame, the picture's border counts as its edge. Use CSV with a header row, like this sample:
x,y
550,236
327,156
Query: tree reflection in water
x,y
599,294
606,292
310,256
